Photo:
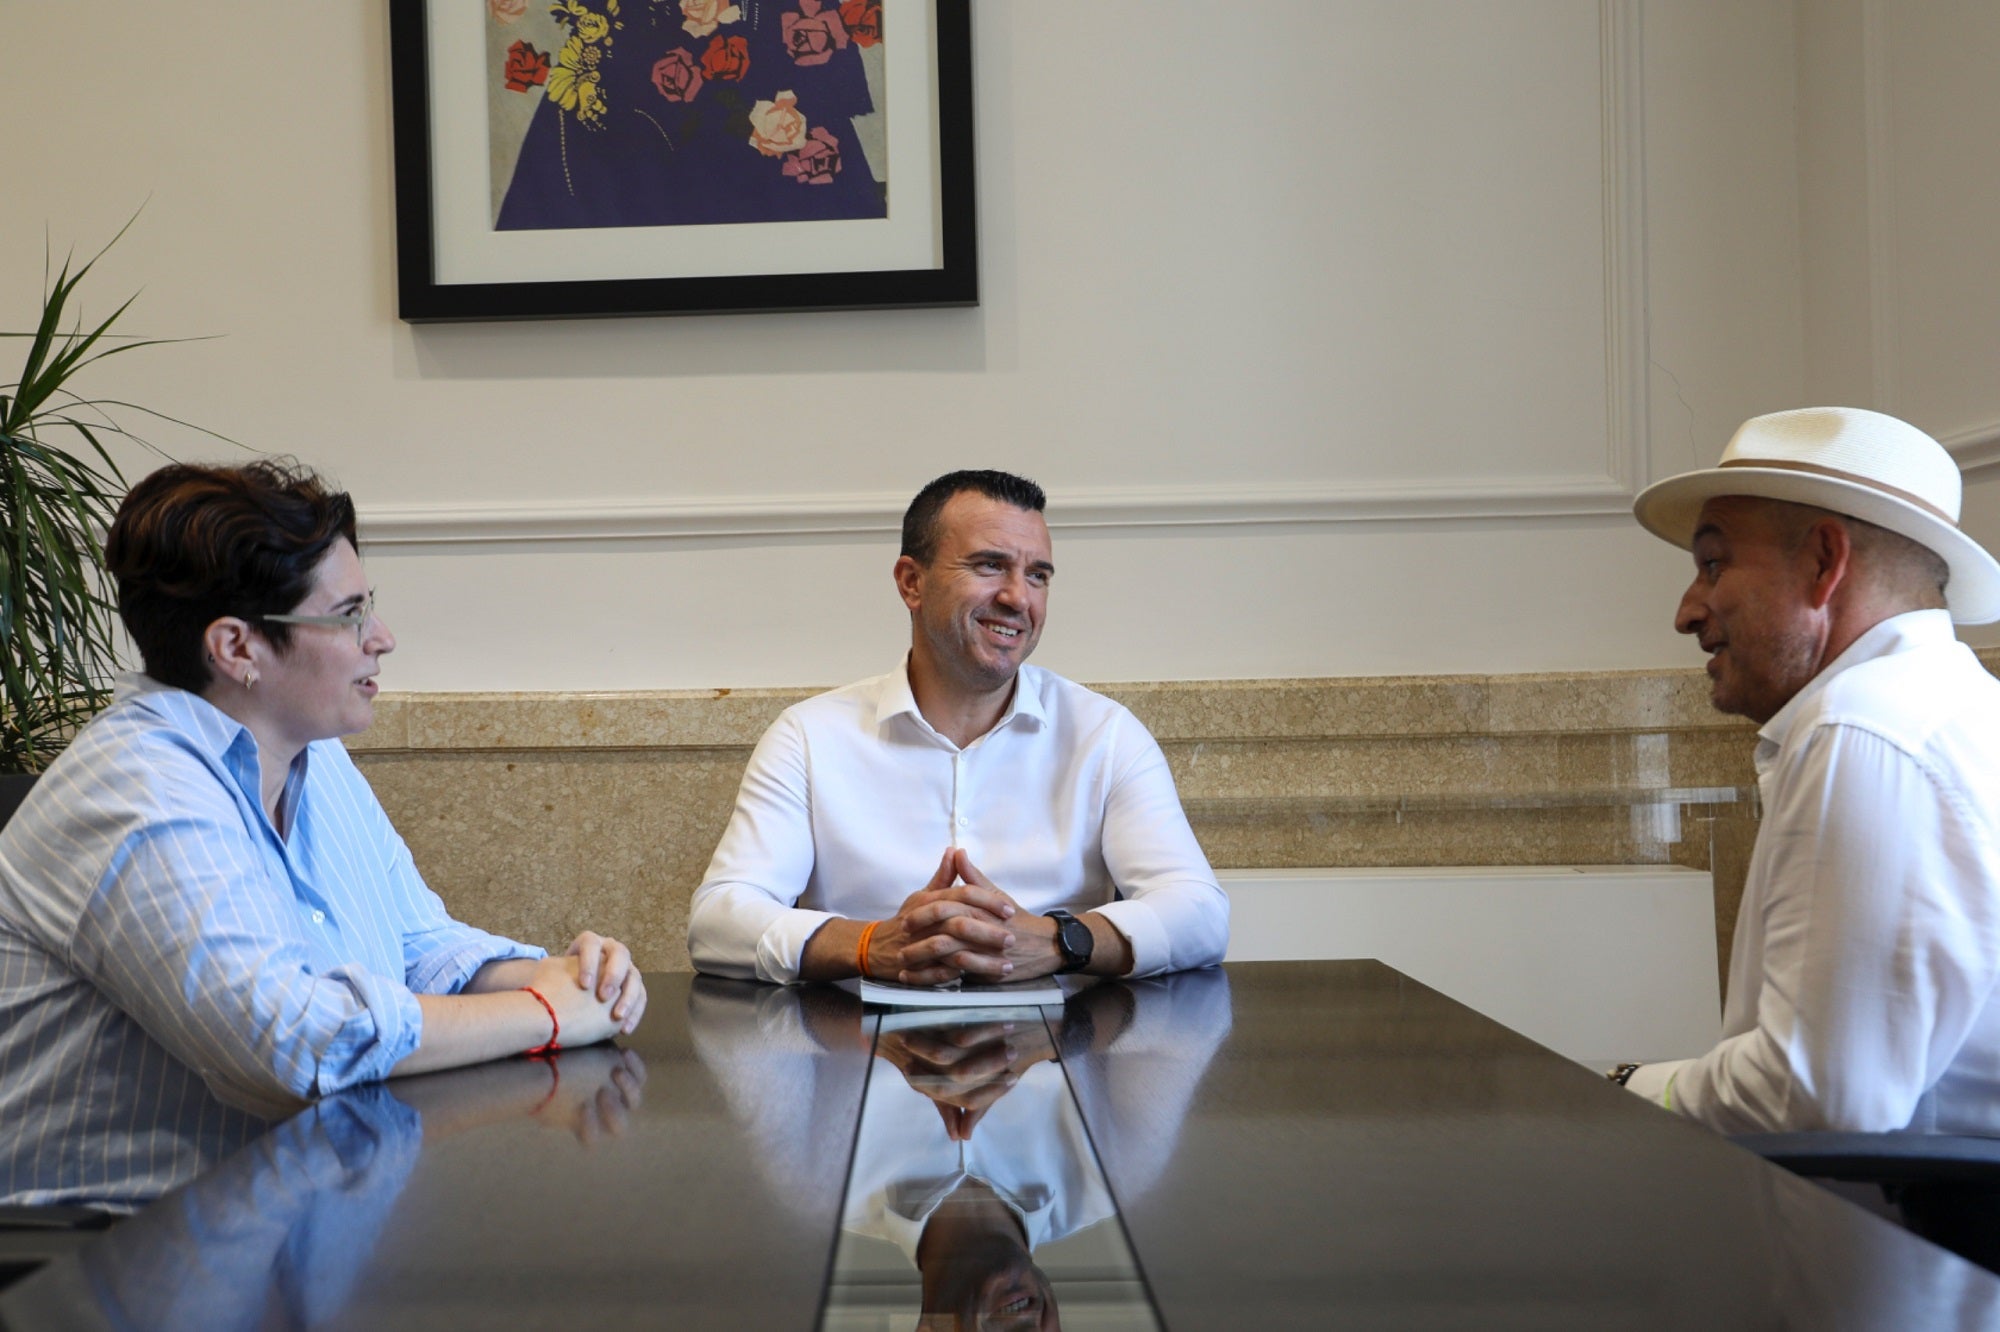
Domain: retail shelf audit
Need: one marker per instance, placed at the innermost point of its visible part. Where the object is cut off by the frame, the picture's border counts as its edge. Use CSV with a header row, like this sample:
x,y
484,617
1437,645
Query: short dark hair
x,y
920,520
192,544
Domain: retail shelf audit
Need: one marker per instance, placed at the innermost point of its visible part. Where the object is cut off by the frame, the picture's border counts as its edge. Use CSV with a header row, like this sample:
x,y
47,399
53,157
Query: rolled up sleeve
x,y
440,955
180,938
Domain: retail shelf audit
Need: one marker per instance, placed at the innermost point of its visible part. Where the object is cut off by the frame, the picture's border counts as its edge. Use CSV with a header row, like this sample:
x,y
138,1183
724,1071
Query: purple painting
x,y
649,113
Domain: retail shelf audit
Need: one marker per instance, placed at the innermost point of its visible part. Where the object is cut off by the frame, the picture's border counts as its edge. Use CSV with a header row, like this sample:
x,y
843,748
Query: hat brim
x,y
1669,510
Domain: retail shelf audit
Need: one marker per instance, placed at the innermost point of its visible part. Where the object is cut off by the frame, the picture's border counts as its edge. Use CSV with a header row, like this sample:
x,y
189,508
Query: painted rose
x,y
813,34
701,17
506,11
863,19
526,67
592,27
776,127
676,77
817,161
726,60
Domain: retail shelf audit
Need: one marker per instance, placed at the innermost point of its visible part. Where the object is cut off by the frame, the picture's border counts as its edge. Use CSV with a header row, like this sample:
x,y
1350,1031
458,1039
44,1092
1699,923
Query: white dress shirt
x,y
851,799
1031,1148
1862,980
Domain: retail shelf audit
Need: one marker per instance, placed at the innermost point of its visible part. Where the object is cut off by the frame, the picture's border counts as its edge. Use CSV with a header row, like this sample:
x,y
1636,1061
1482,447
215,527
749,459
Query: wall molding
x,y
1977,449
806,517
1505,500
1627,319
1877,140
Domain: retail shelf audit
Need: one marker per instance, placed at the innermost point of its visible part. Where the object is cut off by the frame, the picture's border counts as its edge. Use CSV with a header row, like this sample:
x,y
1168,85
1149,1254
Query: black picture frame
x,y
422,298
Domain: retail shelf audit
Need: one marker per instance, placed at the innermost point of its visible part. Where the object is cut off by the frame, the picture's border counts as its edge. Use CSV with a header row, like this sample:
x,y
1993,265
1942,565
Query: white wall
x,y
1520,944
1901,206
1338,330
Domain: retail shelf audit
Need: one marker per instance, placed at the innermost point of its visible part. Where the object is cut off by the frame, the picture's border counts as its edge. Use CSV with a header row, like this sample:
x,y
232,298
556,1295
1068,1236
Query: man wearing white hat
x,y
1862,987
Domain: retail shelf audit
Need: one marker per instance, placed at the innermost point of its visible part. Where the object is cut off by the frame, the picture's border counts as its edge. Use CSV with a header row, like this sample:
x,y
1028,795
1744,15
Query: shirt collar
x,y
896,698
907,1207
214,732
1898,633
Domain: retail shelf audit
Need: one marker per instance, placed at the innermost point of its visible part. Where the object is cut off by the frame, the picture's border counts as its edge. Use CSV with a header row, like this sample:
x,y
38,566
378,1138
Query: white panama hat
x,y
1850,461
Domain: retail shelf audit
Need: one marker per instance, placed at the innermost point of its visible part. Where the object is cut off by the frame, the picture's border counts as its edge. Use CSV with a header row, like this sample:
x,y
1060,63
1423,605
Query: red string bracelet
x,y
861,956
555,1028
555,1084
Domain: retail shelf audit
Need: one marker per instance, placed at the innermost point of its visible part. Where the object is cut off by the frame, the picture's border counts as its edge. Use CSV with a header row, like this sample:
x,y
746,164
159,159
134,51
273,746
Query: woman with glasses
x,y
204,879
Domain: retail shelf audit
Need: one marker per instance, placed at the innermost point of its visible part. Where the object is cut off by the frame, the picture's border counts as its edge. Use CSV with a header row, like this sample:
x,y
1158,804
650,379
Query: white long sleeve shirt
x,y
1862,979
851,798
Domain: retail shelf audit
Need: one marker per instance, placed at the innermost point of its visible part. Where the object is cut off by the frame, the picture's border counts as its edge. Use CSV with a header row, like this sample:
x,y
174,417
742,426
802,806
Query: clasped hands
x,y
961,924
964,1068
593,986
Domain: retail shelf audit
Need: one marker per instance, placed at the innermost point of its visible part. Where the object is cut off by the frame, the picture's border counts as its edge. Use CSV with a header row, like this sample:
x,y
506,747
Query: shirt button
x,y
963,822
319,917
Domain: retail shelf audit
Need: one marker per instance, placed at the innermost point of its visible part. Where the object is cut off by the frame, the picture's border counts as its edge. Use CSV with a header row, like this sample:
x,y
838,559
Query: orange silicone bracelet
x,y
861,957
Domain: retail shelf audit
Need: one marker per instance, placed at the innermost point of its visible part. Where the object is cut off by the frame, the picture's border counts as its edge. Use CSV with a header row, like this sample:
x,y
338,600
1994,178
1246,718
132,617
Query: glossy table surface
x,y
1287,1145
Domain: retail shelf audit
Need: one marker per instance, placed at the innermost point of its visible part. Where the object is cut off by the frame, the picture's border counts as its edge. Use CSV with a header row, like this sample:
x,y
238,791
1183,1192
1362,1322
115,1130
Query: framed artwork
x,y
571,158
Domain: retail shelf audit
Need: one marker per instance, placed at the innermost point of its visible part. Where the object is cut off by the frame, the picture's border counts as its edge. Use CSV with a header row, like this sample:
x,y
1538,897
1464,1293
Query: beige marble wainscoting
x,y
537,815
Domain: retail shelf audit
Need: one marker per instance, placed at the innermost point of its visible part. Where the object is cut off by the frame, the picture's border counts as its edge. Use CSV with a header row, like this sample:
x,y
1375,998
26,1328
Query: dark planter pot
x,y
14,788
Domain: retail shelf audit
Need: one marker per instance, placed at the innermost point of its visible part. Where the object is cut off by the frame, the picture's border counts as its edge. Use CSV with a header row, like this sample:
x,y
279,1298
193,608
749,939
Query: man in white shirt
x,y
1862,986
965,814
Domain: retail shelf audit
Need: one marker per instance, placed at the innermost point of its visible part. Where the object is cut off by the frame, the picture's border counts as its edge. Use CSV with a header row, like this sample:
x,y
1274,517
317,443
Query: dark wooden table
x,y
1289,1145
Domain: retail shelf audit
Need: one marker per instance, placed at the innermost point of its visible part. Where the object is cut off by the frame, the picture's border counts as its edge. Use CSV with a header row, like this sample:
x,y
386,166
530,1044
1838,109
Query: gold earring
x,y
249,679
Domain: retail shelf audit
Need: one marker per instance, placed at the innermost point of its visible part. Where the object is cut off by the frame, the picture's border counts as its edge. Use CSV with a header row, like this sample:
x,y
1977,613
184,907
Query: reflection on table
x,y
150,1126
971,1166
1363,1152
282,1231
1286,1145
974,1197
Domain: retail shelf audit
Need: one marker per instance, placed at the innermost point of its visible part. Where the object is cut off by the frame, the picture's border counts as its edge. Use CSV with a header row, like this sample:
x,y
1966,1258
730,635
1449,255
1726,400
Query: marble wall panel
x,y
540,815
540,844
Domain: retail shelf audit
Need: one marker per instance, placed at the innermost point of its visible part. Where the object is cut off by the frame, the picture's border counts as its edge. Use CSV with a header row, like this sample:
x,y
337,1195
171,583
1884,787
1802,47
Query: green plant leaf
x,y
58,625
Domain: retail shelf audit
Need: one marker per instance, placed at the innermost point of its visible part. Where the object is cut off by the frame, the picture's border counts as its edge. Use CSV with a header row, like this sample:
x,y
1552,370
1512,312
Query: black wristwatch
x,y
1073,937
1622,1075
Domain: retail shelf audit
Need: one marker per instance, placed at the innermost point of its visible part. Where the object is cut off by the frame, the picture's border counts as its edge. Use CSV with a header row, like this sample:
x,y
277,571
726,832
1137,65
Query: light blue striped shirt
x,y
159,942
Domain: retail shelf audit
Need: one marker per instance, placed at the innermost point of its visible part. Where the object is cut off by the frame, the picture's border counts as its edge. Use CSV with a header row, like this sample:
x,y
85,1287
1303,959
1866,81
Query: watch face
x,y
1073,937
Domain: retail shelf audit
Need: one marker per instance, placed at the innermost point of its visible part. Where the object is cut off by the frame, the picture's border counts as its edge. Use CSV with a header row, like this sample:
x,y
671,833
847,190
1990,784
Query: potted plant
x,y
58,625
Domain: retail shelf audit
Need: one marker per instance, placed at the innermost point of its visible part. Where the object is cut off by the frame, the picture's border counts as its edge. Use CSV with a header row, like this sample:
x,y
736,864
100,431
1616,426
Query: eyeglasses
x,y
356,619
